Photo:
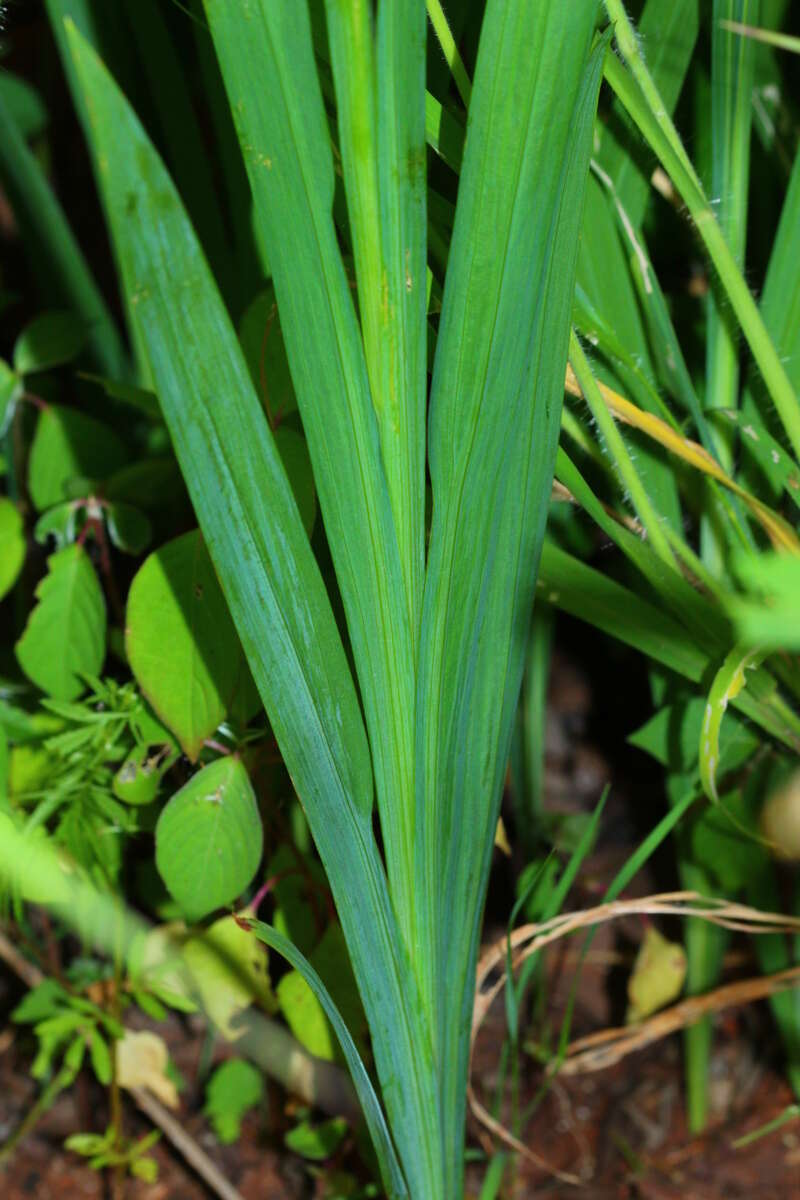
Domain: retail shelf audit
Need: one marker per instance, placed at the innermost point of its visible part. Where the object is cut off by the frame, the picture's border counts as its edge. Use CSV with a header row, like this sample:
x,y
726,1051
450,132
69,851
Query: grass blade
x,y
381,111
373,1113
494,417
732,76
640,97
668,30
271,582
285,140
186,155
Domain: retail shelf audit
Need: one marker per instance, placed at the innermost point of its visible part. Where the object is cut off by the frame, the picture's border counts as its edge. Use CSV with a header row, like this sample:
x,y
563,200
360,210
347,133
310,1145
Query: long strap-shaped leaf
x,y
268,67
494,425
271,582
381,114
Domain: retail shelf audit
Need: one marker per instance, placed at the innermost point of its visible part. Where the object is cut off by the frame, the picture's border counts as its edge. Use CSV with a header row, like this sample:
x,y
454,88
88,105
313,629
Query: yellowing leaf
x,y
780,820
658,975
501,838
142,1059
778,530
229,968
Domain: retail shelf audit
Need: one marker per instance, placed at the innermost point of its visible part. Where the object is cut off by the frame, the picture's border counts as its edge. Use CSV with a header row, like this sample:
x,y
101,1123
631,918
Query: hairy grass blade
x,y
668,29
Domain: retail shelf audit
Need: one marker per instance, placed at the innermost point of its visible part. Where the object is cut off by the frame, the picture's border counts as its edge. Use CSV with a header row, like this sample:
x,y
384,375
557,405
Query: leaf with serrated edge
x,y
66,631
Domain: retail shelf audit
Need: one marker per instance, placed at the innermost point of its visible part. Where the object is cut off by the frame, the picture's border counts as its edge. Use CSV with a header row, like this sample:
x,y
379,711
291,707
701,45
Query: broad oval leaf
x,y
24,103
12,545
66,632
69,445
51,339
180,640
209,838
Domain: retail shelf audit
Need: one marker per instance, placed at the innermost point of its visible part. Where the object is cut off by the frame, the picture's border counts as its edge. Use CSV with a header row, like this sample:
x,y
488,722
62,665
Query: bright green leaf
x,y
59,523
209,838
180,640
230,972
12,545
316,1142
66,631
234,1088
101,1057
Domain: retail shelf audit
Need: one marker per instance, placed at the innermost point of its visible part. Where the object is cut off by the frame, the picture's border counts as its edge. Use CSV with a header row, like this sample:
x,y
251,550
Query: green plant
x,y
363,408
282,332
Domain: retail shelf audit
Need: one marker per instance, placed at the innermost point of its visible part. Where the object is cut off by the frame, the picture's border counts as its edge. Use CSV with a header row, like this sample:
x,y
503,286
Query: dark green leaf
x,y
68,445
49,341
128,528
23,103
264,350
11,387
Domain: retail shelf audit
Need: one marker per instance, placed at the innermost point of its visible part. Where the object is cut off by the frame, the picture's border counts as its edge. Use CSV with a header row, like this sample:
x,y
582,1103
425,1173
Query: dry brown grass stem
x,y
609,1046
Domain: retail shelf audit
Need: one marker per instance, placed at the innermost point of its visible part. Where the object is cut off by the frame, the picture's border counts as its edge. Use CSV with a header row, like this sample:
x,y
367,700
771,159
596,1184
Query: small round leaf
x,y
209,838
